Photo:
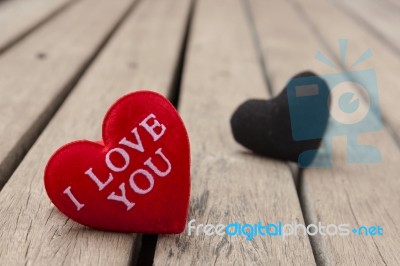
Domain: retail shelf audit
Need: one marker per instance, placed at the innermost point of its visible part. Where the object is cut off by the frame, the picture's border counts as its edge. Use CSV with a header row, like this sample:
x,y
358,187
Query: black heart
x,y
264,126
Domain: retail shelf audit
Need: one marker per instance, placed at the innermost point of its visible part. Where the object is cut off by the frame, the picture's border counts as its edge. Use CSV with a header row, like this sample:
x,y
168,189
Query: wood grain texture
x,y
229,183
384,61
18,17
364,194
37,74
381,19
32,230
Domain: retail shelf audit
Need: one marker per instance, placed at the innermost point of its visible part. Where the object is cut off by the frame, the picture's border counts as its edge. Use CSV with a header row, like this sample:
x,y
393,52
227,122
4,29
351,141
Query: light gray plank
x,y
37,74
394,3
384,61
142,54
380,18
228,183
364,194
18,17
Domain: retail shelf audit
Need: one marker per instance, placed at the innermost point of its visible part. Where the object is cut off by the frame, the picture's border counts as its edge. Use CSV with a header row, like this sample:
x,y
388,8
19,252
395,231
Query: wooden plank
x,y
381,19
32,231
19,17
228,183
37,74
394,3
355,194
384,61
367,200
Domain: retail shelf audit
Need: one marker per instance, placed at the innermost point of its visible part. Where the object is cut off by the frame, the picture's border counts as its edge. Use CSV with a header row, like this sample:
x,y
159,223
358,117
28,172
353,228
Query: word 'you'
x,y
156,130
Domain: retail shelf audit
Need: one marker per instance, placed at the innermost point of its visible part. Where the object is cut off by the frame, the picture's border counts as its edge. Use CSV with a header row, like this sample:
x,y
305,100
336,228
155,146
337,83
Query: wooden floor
x,y
64,62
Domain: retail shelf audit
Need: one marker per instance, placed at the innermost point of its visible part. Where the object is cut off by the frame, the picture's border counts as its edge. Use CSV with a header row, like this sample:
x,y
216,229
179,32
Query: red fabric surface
x,y
158,208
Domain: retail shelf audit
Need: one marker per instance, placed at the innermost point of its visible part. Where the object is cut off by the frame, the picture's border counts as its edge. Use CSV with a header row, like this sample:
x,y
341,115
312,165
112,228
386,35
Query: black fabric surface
x,y
264,127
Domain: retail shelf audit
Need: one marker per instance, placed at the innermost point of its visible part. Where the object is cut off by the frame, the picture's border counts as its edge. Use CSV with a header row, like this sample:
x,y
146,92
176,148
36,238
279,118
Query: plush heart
x,y
136,180
265,126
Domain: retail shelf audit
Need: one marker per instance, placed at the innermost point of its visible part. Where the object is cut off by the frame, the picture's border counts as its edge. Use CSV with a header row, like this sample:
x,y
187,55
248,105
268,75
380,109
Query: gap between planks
x,y
16,29
146,254
122,64
16,154
222,71
359,205
385,65
380,18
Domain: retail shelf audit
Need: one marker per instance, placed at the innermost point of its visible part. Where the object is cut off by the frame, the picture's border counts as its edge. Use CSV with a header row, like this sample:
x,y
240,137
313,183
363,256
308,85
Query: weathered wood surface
x,y
32,231
380,18
229,183
365,194
46,47
19,17
37,73
384,61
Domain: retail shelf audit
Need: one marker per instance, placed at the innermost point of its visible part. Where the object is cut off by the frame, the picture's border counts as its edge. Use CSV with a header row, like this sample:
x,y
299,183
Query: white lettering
x,y
150,164
135,187
121,198
136,146
68,192
95,179
150,128
112,166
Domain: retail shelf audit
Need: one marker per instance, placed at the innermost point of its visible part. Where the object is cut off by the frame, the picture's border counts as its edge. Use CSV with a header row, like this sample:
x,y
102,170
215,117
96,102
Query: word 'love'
x,y
134,142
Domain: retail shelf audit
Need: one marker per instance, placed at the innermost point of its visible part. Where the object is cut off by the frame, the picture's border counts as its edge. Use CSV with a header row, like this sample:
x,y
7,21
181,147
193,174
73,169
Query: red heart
x,y
145,154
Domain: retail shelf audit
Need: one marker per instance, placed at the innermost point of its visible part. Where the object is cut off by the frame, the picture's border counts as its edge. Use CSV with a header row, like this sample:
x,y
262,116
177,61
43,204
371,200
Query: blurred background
x,y
64,62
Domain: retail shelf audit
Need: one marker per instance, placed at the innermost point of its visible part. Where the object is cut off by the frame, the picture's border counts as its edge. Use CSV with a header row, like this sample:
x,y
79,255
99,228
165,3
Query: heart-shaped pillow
x,y
136,180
